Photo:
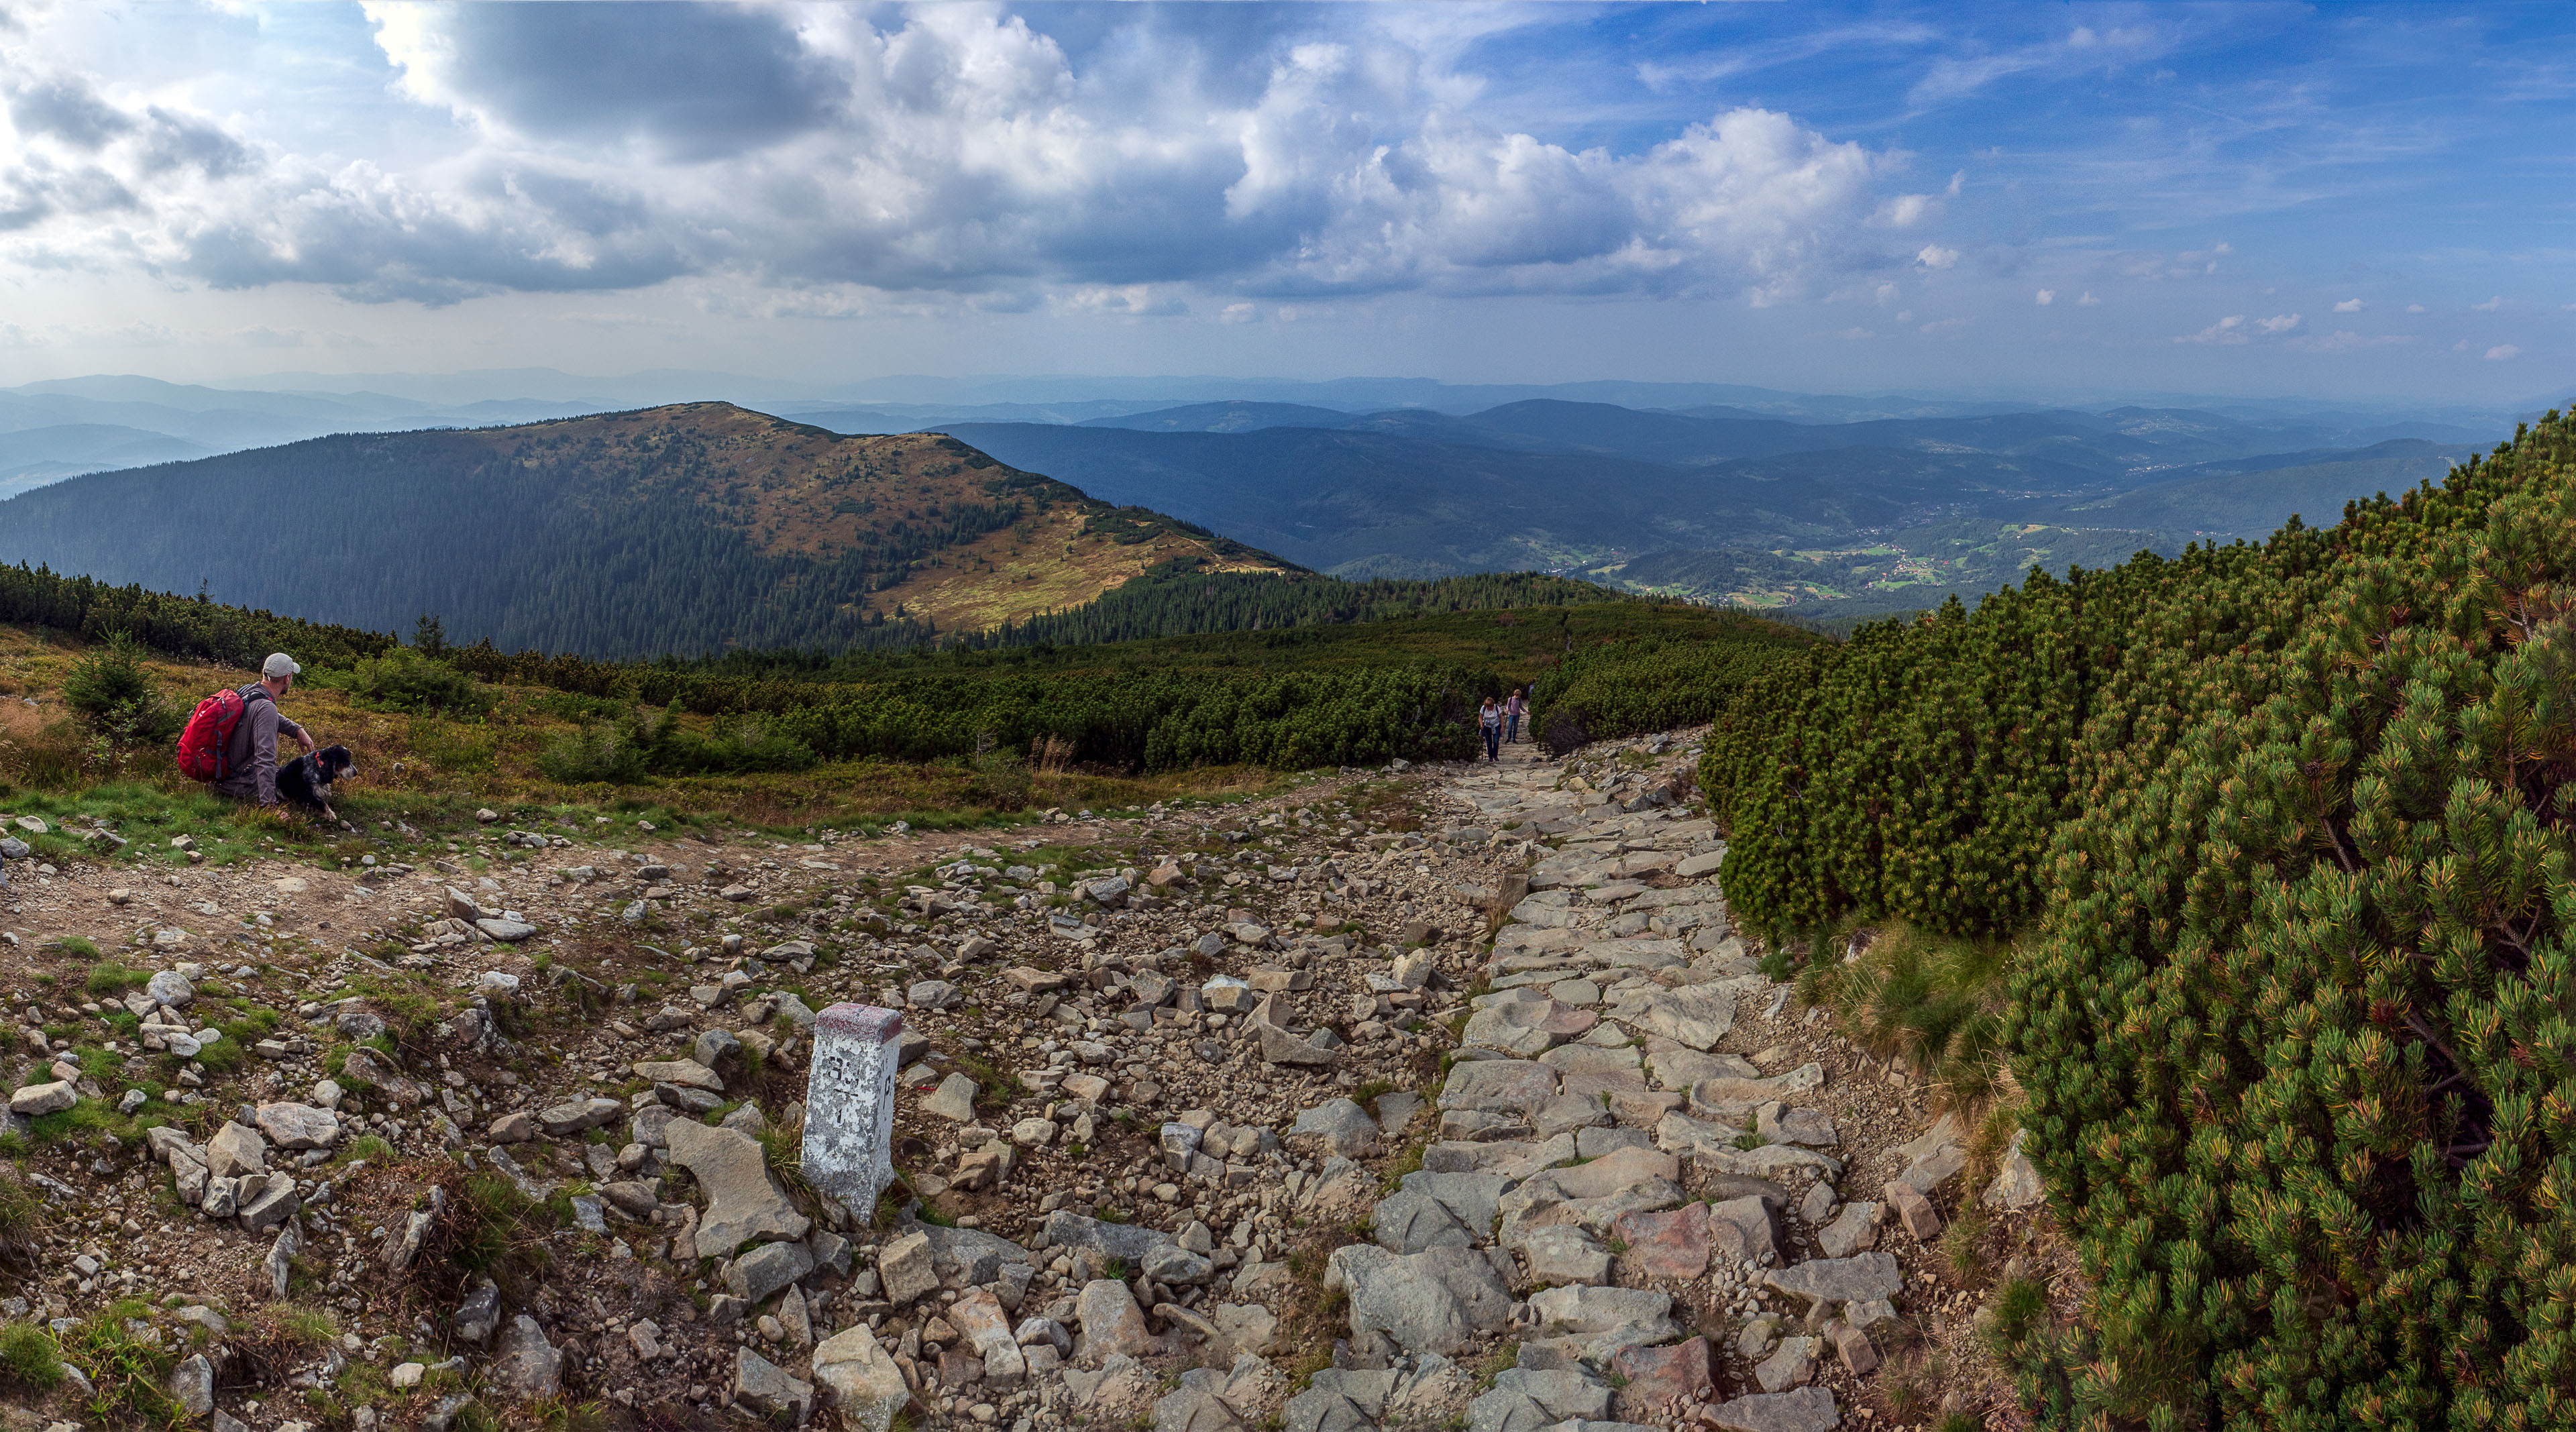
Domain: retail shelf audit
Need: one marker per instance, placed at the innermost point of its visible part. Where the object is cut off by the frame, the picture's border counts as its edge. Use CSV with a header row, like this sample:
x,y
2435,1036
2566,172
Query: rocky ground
x,y
1408,1098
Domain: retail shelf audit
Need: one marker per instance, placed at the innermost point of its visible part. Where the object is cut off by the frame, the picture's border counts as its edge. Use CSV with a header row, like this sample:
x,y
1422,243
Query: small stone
x,y
1337,1126
526,1365
192,1385
236,1149
37,1100
1110,1320
1790,1366
298,1126
1915,1211
1859,1356
954,1099
867,1386
765,1387
905,1270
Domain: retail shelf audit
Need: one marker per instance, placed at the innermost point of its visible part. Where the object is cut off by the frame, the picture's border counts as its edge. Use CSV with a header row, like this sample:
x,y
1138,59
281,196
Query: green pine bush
x,y
2286,828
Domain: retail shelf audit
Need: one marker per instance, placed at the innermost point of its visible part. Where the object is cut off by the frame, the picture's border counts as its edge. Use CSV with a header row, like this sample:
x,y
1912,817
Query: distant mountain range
x,y
1738,494
1583,486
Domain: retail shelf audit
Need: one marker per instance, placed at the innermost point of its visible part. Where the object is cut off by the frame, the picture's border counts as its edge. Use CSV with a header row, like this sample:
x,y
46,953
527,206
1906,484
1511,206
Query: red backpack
x,y
202,747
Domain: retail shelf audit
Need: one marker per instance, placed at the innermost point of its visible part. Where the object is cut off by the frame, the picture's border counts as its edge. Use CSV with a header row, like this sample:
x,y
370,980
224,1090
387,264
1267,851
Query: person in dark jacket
x,y
251,755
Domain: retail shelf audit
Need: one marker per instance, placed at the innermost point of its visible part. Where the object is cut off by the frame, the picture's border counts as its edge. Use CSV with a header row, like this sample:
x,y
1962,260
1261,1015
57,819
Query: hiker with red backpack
x,y
231,740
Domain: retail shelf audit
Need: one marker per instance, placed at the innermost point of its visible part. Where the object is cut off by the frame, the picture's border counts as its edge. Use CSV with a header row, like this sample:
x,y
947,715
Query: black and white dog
x,y
306,780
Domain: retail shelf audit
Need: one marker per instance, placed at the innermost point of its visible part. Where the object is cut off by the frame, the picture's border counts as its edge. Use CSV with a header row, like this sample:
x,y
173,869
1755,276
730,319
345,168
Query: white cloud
x,y
1238,313
1945,327
1904,211
2349,305
2501,352
2088,300
2083,48
2414,308
943,150
1934,256
2279,323
2047,296
2490,306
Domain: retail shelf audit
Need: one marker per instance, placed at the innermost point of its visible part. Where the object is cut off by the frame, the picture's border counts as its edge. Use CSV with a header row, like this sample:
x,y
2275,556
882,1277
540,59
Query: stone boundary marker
x,y
849,1104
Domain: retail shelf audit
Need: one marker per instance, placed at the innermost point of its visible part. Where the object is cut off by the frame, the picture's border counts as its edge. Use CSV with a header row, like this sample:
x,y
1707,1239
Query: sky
x,y
2344,201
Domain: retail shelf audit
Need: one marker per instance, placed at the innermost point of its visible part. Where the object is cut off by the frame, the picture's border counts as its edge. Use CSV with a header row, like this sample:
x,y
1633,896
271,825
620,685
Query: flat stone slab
x,y
687,1073
743,1201
1695,1015
1823,1281
1565,1253
1678,1068
1526,1023
1596,1324
1501,1084
1671,1245
1809,1409
1738,1096
1654,1377
1591,1059
1433,1301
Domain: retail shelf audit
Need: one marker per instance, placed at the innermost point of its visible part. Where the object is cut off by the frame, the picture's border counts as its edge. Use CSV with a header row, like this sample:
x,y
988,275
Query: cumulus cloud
x,y
2490,306
2349,305
949,149
2088,300
2501,352
1934,256
2047,296
2234,329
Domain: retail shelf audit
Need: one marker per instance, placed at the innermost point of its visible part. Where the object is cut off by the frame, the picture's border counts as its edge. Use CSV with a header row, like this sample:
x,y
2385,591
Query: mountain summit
x,y
685,529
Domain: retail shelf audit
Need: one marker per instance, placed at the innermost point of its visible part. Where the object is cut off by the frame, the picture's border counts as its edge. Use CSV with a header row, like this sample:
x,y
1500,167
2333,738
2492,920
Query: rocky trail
x,y
1430,1097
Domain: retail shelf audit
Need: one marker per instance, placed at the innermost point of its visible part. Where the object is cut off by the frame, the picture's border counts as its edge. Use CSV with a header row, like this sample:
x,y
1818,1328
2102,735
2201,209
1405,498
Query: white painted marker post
x,y
849,1104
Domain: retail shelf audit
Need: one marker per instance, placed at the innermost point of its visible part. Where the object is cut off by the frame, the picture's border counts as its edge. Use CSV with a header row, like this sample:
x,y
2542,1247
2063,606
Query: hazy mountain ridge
x,y
687,529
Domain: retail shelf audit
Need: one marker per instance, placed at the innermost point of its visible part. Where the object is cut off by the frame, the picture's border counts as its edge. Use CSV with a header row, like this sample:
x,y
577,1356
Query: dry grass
x,y
1043,564
430,769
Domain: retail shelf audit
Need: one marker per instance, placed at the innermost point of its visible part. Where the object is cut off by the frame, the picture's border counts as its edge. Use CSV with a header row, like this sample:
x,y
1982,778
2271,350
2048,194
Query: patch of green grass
x,y
493,1229
87,1120
129,1373
110,978
306,1325
365,1146
29,1358
1959,1241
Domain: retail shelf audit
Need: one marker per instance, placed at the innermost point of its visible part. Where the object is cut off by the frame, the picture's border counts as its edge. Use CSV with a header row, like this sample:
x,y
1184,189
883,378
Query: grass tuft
x,y
28,1357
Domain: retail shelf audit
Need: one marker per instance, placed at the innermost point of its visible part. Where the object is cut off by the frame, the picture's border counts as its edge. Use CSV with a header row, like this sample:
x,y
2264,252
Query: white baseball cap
x,y
279,664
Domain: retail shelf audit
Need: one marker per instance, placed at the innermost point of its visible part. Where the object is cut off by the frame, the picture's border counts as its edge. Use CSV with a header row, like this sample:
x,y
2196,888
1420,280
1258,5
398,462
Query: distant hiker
x,y
231,740
1513,710
1489,719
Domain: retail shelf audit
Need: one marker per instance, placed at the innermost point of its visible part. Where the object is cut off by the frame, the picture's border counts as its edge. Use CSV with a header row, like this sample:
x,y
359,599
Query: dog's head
x,y
334,763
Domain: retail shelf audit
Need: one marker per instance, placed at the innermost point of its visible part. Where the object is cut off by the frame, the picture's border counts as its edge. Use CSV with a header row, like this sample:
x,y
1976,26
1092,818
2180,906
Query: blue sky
x,y
2348,201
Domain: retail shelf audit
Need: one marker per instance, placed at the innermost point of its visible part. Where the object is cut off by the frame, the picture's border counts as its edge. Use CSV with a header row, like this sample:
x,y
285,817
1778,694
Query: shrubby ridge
x,y
2284,828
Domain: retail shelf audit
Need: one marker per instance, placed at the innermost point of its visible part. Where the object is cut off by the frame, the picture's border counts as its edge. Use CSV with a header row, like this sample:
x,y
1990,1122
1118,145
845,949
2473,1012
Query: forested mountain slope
x,y
685,529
